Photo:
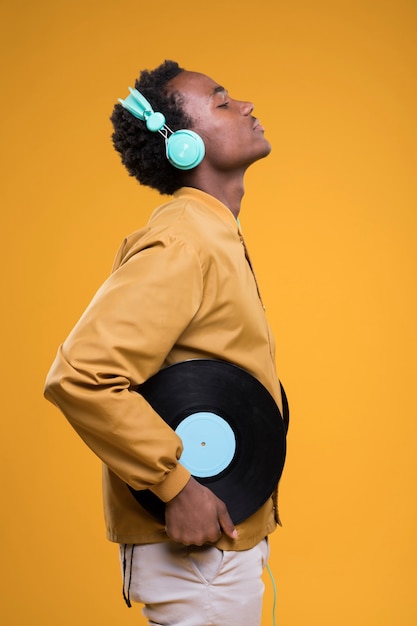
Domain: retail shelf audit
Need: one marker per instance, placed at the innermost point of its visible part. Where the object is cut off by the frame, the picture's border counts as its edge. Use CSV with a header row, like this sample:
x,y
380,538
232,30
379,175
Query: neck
x,y
224,187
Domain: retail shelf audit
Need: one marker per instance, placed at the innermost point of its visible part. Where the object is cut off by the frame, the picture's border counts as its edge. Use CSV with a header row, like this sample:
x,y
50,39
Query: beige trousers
x,y
195,586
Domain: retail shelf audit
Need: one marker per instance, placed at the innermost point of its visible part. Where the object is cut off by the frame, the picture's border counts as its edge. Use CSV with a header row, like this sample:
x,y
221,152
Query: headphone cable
x,y
274,587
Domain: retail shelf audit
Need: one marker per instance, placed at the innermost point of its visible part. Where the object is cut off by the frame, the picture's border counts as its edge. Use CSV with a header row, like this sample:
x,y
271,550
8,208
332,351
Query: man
x,y
181,288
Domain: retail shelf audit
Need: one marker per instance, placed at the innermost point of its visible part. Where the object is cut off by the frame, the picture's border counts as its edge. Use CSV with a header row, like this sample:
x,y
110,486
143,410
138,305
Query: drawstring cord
x,y
126,596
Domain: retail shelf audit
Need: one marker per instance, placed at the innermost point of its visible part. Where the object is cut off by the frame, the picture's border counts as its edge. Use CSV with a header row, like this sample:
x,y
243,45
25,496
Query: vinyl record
x,y
233,434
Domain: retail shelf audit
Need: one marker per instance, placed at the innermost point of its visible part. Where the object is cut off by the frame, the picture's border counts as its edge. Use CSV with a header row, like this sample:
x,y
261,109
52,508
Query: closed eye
x,y
221,94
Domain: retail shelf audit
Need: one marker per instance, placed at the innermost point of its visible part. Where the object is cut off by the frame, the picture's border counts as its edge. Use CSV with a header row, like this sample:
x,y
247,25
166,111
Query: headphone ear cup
x,y
185,149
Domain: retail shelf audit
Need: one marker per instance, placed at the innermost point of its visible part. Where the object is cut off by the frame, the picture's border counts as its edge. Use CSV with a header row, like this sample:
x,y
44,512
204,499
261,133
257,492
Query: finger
x,y
226,523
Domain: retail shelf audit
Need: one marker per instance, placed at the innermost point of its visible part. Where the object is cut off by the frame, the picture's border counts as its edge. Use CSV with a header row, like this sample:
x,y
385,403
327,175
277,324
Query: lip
x,y
258,126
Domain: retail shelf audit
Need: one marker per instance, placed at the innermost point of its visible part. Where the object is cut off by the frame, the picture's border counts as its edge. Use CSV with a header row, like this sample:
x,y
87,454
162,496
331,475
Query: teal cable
x,y
274,587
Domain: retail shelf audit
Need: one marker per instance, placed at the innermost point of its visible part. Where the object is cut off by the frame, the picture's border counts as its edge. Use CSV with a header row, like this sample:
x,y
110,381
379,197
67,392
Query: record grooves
x,y
233,434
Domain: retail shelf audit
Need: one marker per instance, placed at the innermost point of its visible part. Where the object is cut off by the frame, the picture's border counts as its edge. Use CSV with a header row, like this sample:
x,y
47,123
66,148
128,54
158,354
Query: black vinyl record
x,y
233,433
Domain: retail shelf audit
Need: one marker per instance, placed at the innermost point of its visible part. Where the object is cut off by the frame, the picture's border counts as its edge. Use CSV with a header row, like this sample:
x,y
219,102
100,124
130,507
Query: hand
x,y
196,516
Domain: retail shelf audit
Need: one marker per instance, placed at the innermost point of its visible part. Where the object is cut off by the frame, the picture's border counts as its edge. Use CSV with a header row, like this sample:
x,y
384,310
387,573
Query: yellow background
x,y
330,218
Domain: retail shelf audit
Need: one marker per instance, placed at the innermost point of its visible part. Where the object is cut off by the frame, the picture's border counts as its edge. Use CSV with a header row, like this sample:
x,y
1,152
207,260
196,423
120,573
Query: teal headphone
x,y
184,148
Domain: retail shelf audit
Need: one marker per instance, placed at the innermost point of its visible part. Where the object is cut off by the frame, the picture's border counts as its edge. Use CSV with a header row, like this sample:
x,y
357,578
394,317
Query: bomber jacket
x,y
181,288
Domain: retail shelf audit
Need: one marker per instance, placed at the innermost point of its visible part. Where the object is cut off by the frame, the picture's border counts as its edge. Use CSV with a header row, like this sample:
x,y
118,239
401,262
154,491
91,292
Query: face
x,y
233,137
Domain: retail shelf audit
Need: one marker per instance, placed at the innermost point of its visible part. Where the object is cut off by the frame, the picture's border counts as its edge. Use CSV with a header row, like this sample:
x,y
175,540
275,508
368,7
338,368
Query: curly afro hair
x,y
143,152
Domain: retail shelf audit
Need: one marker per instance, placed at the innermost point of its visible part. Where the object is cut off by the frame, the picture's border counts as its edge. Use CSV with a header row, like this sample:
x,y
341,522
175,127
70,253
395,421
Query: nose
x,y
246,108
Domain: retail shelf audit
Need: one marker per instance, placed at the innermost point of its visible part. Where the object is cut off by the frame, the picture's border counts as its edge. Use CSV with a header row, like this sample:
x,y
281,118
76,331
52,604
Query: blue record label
x,y
209,444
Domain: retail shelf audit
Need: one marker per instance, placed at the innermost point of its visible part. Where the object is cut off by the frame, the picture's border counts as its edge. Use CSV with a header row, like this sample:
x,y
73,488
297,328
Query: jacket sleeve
x,y
122,339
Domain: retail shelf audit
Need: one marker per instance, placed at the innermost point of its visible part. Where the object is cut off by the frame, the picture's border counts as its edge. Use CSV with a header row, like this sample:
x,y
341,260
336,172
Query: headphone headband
x,y
138,105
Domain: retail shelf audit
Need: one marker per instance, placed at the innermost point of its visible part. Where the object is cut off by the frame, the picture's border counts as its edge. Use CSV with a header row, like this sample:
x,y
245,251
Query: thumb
x,y
226,523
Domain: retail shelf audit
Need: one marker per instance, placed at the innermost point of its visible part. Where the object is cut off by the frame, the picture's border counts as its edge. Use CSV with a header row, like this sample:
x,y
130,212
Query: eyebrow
x,y
219,89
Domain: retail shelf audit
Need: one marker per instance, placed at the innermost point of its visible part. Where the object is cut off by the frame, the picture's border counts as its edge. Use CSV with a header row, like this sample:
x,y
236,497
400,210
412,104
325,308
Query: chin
x,y
268,147
267,150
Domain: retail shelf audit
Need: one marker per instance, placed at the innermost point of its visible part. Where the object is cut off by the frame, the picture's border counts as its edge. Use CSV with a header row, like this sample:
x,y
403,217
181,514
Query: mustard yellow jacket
x,y
181,288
